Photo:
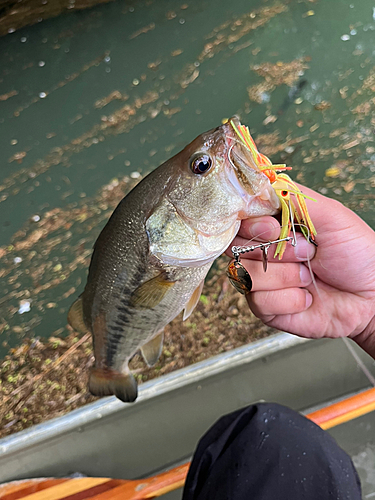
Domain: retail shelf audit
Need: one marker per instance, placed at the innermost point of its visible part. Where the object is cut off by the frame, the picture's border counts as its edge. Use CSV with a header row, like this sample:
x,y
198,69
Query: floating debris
x,y
332,172
351,144
147,28
190,79
349,186
115,95
5,97
25,307
281,73
269,119
135,175
322,105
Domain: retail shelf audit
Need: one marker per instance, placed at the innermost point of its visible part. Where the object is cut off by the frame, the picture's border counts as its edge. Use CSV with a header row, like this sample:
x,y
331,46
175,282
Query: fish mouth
x,y
246,177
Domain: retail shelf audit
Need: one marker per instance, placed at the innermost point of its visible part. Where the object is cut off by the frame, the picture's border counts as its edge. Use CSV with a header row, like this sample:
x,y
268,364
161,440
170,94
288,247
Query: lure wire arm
x,y
237,251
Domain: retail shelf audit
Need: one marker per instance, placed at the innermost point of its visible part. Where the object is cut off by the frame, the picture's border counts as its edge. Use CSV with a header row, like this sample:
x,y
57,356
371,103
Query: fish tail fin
x,y
108,382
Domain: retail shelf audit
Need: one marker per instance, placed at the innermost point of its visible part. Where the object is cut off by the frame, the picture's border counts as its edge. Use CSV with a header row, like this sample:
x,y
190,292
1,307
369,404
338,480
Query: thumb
x,y
260,228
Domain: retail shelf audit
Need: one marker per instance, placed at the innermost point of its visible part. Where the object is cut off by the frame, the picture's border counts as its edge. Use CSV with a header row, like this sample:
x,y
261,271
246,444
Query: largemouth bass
x,y
150,260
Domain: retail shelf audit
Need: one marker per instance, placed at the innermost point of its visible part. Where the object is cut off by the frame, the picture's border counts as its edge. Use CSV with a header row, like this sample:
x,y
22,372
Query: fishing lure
x,y
293,212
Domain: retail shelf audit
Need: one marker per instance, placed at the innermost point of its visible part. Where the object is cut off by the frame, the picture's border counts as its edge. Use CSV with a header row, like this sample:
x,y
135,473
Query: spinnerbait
x,y
291,210
237,274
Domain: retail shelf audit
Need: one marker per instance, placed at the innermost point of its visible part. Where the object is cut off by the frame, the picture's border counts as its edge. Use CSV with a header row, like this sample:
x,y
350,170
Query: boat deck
x,y
350,418
345,415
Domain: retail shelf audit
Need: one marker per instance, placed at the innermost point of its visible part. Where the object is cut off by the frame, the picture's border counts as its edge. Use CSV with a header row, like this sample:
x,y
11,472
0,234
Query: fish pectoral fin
x,y
105,382
152,350
152,292
75,316
193,301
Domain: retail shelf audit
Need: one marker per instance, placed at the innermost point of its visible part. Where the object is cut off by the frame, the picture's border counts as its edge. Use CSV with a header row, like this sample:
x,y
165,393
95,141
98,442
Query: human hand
x,y
341,302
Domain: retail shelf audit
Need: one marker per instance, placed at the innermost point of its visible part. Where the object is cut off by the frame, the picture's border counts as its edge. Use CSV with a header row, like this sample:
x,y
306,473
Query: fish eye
x,y
200,164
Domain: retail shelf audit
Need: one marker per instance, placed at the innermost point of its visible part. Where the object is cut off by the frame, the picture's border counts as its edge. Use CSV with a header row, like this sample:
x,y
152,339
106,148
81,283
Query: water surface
x,y
90,100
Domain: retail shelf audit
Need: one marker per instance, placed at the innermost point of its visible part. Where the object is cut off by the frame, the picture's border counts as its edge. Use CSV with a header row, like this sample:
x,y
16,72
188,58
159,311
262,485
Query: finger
x,y
260,228
317,320
278,276
303,251
266,305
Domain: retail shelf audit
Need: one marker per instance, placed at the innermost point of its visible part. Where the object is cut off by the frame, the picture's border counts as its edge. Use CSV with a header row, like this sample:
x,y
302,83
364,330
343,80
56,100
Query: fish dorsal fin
x,y
75,316
152,350
193,301
152,292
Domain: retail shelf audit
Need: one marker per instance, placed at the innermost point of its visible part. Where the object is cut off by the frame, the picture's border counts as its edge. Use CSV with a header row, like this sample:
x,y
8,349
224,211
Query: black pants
x,y
269,452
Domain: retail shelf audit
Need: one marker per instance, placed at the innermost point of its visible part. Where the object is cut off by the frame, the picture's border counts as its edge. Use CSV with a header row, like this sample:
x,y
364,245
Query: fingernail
x,y
262,230
304,250
309,299
305,276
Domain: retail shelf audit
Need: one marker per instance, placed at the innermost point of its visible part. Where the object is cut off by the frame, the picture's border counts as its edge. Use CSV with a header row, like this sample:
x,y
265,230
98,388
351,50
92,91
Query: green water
x,y
190,67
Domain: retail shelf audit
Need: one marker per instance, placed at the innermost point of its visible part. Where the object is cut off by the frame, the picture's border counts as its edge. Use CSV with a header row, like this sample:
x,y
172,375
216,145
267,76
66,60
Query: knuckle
x,y
289,274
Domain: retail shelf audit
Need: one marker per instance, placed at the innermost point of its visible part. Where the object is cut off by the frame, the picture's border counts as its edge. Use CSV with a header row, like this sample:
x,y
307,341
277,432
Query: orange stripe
x,y
60,491
345,410
348,416
96,490
150,487
19,489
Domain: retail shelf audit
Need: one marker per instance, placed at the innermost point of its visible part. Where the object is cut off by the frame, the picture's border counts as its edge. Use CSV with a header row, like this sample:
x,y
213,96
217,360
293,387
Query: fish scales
x,y
148,322
150,260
